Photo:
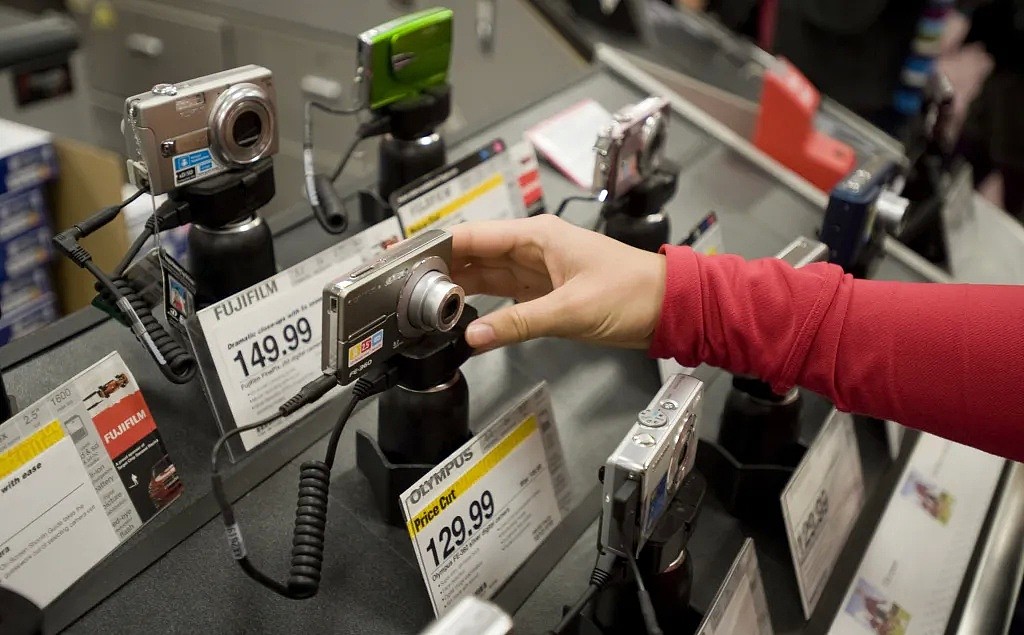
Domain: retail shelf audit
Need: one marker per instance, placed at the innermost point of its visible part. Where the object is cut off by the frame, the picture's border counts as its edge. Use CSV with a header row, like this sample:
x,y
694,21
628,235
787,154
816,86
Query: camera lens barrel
x,y
242,125
435,303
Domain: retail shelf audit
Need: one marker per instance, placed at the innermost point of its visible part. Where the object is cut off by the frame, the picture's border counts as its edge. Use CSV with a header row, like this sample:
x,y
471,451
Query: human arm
x,y
942,358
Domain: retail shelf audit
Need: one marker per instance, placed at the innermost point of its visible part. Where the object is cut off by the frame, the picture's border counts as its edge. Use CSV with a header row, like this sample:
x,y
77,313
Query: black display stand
x,y
411,148
19,616
636,218
757,450
421,421
667,571
230,245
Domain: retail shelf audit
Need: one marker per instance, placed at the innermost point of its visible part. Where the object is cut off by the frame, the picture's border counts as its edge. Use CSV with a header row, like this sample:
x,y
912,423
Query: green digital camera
x,y
401,58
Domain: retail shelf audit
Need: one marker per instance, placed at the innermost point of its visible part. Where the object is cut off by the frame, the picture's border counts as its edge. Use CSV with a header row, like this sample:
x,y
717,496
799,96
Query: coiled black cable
x,y
174,361
309,530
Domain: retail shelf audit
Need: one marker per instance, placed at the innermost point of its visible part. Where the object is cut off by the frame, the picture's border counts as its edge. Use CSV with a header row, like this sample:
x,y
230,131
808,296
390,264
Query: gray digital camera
x,y
630,148
372,312
644,473
179,134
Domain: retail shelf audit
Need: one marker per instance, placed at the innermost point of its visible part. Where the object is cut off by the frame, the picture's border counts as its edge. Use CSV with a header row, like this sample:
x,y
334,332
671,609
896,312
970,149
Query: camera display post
x,y
230,245
412,148
420,421
637,218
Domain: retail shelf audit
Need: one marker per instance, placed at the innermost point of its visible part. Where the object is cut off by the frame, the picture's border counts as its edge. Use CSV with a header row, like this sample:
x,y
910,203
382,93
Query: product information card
x,y
264,342
821,503
740,606
914,567
477,517
80,471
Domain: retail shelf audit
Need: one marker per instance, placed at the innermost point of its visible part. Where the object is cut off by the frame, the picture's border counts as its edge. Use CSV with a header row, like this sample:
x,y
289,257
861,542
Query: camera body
x,y
861,208
474,615
657,455
630,148
179,134
400,58
380,307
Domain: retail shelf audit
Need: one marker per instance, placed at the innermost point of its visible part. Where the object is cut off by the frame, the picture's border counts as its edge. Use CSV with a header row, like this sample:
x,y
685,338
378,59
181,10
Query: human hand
x,y
570,282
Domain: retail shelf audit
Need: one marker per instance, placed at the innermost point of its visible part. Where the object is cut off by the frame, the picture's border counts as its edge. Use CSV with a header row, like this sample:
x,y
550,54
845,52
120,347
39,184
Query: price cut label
x,y
479,515
258,347
820,505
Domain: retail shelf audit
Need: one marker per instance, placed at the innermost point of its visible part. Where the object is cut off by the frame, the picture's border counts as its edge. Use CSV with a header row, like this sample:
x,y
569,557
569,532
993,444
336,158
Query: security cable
x,y
646,606
603,570
328,207
569,199
176,364
308,534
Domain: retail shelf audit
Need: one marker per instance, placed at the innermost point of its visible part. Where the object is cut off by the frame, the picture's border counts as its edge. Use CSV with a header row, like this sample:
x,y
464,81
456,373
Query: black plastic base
x,y
667,571
19,616
227,260
636,218
421,421
412,148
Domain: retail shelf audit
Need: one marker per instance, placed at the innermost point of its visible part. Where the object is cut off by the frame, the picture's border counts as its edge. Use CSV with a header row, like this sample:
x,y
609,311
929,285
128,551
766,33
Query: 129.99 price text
x,y
456,533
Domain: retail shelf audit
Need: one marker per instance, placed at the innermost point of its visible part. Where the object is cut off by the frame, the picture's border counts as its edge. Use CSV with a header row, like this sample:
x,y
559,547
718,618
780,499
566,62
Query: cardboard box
x,y
21,211
28,318
25,289
27,157
25,252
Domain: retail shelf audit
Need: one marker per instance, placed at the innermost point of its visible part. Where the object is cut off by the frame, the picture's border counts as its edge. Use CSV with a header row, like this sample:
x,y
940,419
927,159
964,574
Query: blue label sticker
x,y
192,164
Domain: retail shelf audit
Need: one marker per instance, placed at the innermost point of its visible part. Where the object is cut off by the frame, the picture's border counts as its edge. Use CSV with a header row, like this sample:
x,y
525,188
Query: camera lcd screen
x,y
480,186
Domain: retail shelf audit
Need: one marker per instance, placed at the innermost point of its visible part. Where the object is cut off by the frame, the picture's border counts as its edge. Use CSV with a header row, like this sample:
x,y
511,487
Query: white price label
x,y
740,606
912,571
479,515
265,340
821,503
81,470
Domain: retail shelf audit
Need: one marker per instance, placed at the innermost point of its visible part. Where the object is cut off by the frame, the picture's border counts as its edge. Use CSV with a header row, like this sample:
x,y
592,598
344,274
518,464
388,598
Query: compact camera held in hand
x,y
400,58
654,459
373,312
179,134
630,148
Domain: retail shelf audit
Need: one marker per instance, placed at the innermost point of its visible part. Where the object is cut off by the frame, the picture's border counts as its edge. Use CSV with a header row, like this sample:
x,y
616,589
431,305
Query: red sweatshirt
x,y
943,358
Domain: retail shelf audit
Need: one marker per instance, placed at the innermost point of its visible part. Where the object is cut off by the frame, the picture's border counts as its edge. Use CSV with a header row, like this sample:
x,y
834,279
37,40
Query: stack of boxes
x,y
28,162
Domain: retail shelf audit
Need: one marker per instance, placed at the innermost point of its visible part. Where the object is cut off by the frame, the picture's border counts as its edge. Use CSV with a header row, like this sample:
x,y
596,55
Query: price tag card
x,y
258,347
821,503
740,606
81,470
479,515
524,157
913,568
480,186
567,140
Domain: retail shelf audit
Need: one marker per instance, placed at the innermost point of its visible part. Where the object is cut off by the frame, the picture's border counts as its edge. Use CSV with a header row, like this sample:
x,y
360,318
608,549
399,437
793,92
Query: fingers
x,y
518,283
542,317
503,239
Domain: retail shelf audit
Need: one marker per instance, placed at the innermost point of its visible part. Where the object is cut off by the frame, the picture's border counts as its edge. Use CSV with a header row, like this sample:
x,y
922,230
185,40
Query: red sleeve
x,y
944,358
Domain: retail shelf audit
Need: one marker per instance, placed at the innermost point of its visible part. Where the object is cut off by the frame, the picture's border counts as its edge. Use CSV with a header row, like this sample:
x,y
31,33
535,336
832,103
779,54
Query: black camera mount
x,y
420,421
230,245
411,148
636,218
666,569
18,615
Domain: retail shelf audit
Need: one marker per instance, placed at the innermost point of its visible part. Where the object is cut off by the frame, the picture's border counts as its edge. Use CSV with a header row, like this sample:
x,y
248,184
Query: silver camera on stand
x,y
179,134
644,473
630,148
372,312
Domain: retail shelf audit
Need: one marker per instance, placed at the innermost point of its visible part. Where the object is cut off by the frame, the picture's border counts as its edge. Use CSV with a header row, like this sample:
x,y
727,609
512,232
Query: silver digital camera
x,y
630,148
644,473
802,252
471,616
379,307
178,134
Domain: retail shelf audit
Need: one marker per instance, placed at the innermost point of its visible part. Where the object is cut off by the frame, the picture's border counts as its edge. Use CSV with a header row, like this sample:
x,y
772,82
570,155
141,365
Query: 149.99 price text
x,y
269,349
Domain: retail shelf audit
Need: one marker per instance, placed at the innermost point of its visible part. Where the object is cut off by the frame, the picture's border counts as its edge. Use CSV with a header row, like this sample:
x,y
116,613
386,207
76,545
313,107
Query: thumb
x,y
517,323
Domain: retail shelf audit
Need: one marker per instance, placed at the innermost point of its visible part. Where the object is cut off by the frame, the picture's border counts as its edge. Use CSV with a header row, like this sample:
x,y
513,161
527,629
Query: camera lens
x,y
435,303
247,129
242,126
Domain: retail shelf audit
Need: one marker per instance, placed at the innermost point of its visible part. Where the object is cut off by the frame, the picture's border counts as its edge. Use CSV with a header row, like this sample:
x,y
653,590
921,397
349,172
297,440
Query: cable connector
x,y
308,394
377,383
67,243
375,127
170,215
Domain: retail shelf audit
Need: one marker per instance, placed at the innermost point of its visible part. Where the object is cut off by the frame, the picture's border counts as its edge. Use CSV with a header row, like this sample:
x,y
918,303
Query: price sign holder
x,y
257,348
477,517
740,605
820,505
